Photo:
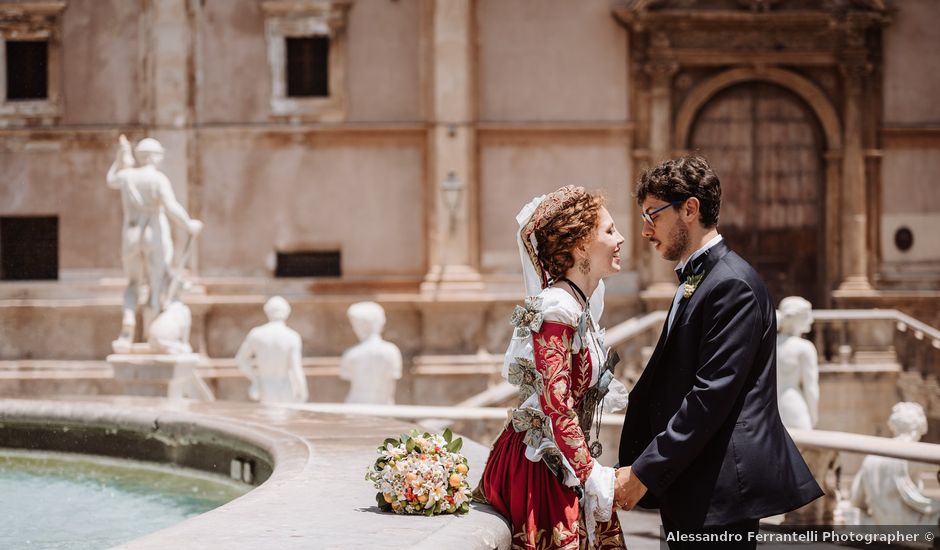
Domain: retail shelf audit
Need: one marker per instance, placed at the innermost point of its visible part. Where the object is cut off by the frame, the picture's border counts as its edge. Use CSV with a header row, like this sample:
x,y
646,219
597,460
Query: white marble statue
x,y
797,365
270,358
147,244
883,492
169,332
373,365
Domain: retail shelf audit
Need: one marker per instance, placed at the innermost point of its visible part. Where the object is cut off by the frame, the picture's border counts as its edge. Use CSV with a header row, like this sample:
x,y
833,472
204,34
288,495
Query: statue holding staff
x,y
147,244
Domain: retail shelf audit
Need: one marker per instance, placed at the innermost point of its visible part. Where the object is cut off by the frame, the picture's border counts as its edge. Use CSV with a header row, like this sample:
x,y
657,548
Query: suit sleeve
x,y
552,347
731,335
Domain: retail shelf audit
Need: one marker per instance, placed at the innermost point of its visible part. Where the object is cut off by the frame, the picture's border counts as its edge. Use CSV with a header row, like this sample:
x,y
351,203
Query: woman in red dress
x,y
542,474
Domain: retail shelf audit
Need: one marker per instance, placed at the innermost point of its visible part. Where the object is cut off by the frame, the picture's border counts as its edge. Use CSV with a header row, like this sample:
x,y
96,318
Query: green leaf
x,y
390,440
448,435
455,445
410,445
380,500
465,507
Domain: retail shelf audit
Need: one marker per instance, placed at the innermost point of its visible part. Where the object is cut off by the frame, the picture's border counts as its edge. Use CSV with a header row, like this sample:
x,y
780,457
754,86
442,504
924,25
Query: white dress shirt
x,y
679,267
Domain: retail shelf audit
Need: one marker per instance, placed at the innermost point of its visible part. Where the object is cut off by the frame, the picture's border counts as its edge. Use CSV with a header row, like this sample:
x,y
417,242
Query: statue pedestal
x,y
143,373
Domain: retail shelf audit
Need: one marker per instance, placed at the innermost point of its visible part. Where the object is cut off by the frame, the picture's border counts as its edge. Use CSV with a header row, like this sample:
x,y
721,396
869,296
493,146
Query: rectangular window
x,y
27,70
308,61
308,264
29,248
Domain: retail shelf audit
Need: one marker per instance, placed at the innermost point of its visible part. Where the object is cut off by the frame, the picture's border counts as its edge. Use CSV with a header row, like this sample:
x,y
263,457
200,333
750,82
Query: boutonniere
x,y
691,283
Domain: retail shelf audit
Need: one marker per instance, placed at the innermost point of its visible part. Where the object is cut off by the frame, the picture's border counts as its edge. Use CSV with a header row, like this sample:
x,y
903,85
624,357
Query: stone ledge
x,y
316,495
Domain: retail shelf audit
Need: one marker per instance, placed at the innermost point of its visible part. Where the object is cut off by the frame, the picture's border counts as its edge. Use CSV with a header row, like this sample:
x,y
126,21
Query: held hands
x,y
628,489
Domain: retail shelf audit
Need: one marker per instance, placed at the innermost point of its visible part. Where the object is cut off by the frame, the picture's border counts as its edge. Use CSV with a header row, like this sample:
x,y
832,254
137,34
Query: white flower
x,y
437,492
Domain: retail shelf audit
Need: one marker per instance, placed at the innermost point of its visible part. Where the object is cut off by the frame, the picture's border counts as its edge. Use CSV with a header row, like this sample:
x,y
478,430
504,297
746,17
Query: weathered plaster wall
x,y
276,191
551,60
100,62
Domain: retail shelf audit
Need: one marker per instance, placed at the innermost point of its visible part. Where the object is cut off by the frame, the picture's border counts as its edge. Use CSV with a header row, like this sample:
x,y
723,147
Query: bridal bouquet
x,y
421,474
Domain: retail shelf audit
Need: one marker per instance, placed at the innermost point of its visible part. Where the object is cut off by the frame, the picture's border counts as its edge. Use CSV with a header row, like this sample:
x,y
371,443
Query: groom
x,y
702,436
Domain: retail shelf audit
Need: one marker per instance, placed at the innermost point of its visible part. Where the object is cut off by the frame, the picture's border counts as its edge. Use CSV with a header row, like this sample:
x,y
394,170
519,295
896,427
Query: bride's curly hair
x,y
569,219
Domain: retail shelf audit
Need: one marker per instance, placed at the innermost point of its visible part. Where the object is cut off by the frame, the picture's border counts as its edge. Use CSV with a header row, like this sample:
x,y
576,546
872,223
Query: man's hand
x,y
628,489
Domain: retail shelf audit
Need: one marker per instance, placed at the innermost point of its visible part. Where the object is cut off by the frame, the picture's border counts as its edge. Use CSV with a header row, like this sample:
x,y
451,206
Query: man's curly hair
x,y
569,219
682,178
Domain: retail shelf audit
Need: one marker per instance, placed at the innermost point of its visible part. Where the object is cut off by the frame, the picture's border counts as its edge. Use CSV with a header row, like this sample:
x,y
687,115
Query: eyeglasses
x,y
648,216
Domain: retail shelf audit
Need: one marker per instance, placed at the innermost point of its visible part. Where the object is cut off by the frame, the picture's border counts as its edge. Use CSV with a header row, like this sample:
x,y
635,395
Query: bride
x,y
542,474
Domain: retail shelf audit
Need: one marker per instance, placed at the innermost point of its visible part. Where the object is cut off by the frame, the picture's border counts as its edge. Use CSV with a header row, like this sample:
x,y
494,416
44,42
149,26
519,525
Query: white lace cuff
x,y
617,397
598,501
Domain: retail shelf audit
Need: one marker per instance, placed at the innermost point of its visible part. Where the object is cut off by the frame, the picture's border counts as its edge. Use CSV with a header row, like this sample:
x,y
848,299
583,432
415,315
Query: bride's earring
x,y
584,266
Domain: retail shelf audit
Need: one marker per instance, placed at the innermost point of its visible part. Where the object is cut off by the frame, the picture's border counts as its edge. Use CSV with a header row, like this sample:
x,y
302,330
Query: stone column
x,y
168,92
854,248
660,279
452,232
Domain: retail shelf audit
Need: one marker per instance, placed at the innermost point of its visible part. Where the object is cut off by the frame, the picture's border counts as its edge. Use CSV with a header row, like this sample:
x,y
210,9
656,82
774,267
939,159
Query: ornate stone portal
x,y
818,61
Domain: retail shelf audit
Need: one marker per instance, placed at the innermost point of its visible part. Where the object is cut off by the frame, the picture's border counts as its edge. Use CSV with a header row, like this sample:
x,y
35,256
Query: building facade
x,y
339,150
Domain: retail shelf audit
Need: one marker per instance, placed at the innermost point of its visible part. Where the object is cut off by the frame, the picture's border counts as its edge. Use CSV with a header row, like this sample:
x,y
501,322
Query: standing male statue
x,y
373,365
270,357
146,245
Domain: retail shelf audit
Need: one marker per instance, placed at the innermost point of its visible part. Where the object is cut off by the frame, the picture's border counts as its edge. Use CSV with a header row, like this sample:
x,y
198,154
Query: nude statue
x,y
270,357
797,365
883,490
146,245
373,365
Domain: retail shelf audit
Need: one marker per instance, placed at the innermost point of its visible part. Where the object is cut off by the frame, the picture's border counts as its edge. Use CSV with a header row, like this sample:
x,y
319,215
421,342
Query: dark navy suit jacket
x,y
702,430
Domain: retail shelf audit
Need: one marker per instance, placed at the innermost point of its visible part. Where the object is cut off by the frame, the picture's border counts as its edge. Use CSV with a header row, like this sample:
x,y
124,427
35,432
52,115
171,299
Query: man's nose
x,y
647,229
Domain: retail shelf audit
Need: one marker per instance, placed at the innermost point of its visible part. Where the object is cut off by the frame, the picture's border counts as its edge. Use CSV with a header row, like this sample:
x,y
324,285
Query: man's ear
x,y
691,208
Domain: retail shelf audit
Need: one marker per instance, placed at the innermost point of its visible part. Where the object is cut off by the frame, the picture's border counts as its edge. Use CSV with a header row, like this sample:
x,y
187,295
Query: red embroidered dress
x,y
545,435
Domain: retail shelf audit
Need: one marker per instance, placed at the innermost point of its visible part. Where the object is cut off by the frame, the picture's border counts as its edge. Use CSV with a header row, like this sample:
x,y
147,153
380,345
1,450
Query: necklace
x,y
584,323
576,289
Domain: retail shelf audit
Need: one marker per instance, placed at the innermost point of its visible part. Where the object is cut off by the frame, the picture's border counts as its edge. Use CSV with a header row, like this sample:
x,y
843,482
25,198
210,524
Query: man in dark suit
x,y
702,438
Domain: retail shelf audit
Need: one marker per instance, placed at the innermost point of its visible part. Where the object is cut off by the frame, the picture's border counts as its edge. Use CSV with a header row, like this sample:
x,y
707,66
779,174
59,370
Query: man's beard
x,y
680,242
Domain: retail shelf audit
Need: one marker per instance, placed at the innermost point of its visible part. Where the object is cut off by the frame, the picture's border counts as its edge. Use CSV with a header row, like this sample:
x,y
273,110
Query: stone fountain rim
x,y
290,498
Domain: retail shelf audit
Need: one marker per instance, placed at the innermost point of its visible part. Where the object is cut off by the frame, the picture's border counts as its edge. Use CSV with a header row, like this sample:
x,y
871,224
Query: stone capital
x,y
661,71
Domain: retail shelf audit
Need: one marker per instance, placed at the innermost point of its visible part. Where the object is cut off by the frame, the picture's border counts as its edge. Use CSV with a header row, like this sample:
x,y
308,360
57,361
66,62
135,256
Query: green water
x,y
72,501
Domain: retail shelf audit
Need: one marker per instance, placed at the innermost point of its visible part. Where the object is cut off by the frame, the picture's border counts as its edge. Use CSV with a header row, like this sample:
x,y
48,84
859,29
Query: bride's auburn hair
x,y
568,220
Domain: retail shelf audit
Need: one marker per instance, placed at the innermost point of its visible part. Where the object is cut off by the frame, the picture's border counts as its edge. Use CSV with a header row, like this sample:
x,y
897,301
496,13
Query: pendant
x,y
596,449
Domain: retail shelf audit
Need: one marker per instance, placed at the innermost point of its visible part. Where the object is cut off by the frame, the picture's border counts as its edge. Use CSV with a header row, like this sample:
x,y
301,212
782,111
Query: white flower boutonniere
x,y
691,283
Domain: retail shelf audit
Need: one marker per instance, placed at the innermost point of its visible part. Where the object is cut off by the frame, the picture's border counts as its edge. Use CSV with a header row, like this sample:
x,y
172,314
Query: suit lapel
x,y
711,257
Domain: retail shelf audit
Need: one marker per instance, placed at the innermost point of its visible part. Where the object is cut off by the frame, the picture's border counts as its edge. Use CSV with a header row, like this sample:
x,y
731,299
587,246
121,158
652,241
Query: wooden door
x,y
766,147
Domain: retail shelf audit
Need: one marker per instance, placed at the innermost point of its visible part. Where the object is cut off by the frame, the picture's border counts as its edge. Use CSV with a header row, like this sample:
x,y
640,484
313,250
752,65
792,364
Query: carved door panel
x,y
766,147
